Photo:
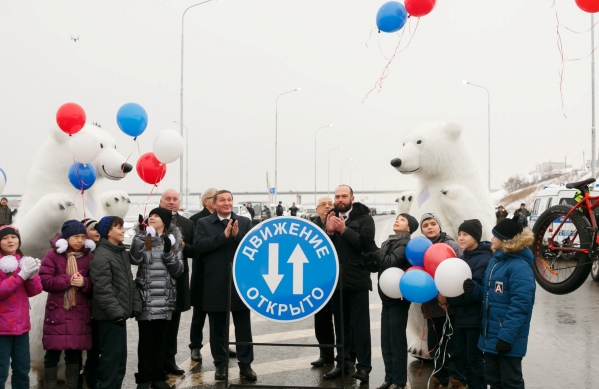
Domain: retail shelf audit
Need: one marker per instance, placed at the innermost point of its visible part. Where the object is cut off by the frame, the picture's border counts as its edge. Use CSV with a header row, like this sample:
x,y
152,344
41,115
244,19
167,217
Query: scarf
x,y
70,296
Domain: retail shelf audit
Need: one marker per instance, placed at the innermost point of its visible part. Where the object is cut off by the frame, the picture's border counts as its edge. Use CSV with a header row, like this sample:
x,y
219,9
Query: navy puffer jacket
x,y
468,309
508,295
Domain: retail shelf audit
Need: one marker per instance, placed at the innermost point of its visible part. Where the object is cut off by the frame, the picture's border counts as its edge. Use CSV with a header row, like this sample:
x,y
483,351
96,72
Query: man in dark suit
x,y
216,239
171,201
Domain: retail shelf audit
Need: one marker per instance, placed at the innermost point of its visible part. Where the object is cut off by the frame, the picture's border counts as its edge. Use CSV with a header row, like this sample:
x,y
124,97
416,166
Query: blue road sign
x,y
272,190
286,269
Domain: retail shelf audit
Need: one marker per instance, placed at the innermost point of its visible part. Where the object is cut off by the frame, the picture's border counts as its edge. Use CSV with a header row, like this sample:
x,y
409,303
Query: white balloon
x,y
85,147
389,282
450,277
2,181
168,146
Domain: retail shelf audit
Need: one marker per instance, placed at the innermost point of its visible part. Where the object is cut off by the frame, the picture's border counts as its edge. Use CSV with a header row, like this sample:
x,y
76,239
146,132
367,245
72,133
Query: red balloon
x,y
415,268
436,254
420,8
70,117
590,6
149,169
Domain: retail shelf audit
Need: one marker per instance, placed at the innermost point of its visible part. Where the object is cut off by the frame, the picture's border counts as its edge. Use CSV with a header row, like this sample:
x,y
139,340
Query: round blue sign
x,y
286,269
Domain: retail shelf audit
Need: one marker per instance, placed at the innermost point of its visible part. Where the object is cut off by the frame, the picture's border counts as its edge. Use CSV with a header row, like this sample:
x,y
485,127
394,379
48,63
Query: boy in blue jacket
x,y
508,296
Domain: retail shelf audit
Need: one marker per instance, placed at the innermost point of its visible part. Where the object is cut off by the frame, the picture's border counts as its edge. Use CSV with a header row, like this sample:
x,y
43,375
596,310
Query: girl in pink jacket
x,y
18,282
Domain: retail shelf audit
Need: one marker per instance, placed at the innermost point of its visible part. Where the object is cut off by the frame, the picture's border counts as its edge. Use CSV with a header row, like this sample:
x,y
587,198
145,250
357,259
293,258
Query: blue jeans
x,y
394,343
15,347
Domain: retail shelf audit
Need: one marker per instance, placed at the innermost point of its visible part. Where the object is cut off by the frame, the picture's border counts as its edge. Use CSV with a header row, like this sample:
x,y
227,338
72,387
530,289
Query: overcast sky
x,y
241,54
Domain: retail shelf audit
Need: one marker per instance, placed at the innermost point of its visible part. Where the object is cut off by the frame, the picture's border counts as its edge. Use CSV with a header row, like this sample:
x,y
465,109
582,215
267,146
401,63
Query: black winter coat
x,y
355,275
468,309
115,294
218,252
196,285
188,229
391,254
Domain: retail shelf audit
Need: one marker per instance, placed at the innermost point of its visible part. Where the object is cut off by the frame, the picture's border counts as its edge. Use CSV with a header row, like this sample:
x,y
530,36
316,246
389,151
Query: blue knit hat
x,y
72,227
103,226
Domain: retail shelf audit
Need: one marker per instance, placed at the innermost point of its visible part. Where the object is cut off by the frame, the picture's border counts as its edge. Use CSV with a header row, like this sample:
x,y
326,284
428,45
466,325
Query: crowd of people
x,y
476,339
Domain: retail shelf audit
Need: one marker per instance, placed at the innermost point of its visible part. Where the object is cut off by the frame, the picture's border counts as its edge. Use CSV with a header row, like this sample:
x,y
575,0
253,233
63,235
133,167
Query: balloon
x,y
132,119
419,8
418,286
450,277
82,176
2,180
168,146
391,17
389,282
149,169
435,255
70,117
85,147
415,268
590,6
415,250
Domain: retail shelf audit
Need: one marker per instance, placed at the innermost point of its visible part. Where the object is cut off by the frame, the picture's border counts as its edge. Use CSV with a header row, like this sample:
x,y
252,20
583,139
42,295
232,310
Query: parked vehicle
x,y
310,213
242,211
260,214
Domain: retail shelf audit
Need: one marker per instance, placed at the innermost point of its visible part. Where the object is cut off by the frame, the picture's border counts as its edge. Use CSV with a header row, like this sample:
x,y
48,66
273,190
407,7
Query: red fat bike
x,y
566,244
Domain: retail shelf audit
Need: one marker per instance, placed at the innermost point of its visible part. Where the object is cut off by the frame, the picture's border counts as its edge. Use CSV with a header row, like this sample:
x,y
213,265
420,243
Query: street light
x,y
316,132
350,173
329,169
276,136
186,165
341,170
181,108
488,125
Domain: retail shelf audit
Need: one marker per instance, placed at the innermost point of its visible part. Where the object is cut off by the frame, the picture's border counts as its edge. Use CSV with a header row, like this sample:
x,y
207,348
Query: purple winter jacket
x,y
66,330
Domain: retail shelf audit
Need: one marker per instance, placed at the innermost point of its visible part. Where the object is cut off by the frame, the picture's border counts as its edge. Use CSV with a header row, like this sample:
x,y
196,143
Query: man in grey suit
x,y
216,239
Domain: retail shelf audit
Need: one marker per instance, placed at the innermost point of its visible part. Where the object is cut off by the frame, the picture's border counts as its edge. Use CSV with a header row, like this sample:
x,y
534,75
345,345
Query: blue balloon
x,y
391,17
82,176
132,119
415,250
418,286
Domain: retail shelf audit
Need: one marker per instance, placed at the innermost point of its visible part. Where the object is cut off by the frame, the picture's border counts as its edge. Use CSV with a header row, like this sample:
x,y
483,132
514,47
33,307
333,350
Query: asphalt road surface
x,y
563,350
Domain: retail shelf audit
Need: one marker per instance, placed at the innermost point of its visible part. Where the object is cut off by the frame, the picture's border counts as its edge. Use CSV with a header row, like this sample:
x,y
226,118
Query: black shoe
x,y
145,385
320,362
247,373
173,369
159,385
335,373
361,375
384,385
196,356
220,373
232,353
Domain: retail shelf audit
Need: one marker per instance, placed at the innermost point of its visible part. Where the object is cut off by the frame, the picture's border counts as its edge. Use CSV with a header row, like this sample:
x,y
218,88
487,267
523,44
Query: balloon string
x,y
369,37
81,190
560,70
154,187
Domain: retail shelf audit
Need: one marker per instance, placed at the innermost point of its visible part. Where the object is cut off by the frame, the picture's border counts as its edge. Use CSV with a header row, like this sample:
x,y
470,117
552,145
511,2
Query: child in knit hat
x,y
67,322
394,315
508,293
18,282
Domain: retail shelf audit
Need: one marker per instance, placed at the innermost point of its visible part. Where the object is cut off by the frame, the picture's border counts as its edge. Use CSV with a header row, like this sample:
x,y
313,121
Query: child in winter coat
x,y
448,372
508,296
67,321
394,316
18,282
156,249
468,310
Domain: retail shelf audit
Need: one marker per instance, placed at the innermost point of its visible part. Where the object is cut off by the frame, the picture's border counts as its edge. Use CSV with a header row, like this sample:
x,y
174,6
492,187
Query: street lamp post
x,y
276,137
329,170
350,174
341,170
181,108
488,125
315,133
363,188
186,165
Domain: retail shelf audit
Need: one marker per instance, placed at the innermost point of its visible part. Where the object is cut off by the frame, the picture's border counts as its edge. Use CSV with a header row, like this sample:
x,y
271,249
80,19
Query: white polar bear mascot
x,y
50,200
449,185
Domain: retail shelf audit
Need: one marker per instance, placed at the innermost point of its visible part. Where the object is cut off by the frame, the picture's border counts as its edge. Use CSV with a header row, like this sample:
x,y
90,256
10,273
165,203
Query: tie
x,y
344,217
226,222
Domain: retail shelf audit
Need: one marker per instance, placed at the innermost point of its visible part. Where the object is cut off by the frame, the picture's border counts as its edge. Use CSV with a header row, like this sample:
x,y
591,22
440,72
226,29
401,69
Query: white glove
x,y
35,263
172,239
61,246
28,267
151,231
90,244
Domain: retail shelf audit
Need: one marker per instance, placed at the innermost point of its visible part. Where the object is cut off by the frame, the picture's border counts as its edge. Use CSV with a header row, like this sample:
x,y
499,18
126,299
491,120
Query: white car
x,y
241,210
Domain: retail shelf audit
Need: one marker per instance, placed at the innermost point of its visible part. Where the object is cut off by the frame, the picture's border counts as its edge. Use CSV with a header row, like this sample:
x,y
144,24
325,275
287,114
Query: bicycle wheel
x,y
561,271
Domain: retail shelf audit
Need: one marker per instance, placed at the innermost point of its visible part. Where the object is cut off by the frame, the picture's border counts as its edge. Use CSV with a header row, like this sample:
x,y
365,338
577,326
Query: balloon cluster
x,y
392,15
434,270
590,6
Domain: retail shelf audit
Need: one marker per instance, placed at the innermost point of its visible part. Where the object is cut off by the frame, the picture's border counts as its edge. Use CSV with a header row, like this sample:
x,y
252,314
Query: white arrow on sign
x,y
298,258
273,278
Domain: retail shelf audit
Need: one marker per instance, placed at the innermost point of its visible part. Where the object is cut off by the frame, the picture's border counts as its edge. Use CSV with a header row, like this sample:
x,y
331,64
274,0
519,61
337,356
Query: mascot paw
x,y
116,203
405,201
418,353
